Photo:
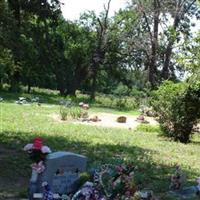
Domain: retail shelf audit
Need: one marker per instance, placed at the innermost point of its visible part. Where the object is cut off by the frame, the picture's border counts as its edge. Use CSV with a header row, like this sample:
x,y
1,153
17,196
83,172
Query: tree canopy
x,y
140,46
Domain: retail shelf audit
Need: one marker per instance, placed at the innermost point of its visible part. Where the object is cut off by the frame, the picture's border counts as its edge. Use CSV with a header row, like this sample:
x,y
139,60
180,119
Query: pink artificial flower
x,y
28,147
45,149
85,106
81,104
38,167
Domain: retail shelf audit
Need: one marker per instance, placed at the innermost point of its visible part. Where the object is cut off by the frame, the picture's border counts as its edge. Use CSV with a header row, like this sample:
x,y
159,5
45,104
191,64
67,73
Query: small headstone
x,y
121,119
141,119
95,119
62,171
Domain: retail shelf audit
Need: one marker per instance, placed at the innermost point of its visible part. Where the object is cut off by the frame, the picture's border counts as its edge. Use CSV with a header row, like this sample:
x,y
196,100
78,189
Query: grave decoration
x,y
57,176
37,152
85,106
94,119
142,119
177,189
148,111
84,114
21,101
116,181
35,99
27,101
47,194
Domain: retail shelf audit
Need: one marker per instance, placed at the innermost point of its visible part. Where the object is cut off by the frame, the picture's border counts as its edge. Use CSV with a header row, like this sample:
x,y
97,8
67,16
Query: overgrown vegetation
x,y
178,108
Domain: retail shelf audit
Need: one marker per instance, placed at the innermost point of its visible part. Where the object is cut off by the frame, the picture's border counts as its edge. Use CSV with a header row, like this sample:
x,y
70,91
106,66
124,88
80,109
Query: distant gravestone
x,y
62,172
121,119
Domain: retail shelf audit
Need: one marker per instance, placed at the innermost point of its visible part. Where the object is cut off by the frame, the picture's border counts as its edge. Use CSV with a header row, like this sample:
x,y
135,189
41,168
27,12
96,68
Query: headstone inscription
x,y
61,172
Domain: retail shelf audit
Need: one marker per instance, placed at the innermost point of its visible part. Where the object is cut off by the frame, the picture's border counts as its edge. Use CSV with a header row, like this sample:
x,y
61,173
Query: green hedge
x,y
178,107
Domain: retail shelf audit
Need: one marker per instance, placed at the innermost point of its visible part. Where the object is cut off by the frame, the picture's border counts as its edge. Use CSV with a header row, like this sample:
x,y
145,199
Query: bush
x,y
178,108
69,110
64,112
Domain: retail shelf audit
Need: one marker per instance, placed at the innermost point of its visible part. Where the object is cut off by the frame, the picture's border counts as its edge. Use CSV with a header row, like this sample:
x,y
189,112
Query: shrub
x,y
64,112
69,110
117,102
178,108
75,112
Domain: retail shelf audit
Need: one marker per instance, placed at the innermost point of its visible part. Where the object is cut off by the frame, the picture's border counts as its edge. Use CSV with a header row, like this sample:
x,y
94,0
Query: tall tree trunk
x,y
94,81
180,12
14,84
14,6
99,55
29,87
168,53
154,46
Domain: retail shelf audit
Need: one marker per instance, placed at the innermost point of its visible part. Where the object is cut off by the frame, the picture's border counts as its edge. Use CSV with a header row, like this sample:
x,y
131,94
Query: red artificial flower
x,y
37,143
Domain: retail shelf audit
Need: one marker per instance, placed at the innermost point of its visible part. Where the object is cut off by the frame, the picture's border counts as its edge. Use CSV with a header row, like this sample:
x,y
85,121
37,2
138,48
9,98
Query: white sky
x,y
73,8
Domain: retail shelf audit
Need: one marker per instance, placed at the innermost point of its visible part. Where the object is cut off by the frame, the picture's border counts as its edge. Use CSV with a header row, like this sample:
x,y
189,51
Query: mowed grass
x,y
154,156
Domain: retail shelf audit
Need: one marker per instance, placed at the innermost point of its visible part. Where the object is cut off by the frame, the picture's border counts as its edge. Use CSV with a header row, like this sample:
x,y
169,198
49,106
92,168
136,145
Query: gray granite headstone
x,y
62,172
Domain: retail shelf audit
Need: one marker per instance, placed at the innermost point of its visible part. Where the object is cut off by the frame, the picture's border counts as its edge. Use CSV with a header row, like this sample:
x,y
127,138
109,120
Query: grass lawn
x,y
154,156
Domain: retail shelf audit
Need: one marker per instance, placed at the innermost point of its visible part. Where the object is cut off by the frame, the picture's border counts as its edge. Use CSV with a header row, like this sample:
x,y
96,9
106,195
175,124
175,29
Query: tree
x,y
173,18
189,58
20,20
99,25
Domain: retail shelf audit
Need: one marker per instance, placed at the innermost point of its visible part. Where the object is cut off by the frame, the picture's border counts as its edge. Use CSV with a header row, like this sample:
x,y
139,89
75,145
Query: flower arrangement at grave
x,y
37,153
112,183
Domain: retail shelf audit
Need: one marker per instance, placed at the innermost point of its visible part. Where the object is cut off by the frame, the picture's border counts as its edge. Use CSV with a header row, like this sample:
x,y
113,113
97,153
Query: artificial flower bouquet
x,y
37,152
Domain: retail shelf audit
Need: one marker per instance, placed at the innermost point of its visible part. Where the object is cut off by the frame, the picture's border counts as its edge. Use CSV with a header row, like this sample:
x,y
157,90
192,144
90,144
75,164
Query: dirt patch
x,y
107,120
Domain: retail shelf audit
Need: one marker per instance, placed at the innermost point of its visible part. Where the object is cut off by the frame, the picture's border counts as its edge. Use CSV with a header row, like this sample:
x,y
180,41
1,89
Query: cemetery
x,y
99,99
73,158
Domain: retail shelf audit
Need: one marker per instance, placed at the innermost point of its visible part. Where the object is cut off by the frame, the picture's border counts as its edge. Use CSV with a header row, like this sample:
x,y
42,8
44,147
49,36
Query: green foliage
x,y
64,112
84,177
148,128
178,108
120,103
70,112
75,112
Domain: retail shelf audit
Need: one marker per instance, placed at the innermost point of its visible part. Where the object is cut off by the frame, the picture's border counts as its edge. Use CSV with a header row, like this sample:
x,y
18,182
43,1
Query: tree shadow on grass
x,y
43,97
15,167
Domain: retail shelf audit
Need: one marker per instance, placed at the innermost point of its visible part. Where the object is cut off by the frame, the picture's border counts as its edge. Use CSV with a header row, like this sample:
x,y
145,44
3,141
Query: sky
x,y
73,8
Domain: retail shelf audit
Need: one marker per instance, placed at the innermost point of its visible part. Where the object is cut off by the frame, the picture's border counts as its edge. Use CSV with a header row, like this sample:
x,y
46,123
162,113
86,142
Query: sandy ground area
x,y
109,120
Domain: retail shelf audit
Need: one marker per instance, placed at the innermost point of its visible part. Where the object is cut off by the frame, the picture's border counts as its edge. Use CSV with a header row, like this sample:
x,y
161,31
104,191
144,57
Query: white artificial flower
x,y
28,147
45,149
